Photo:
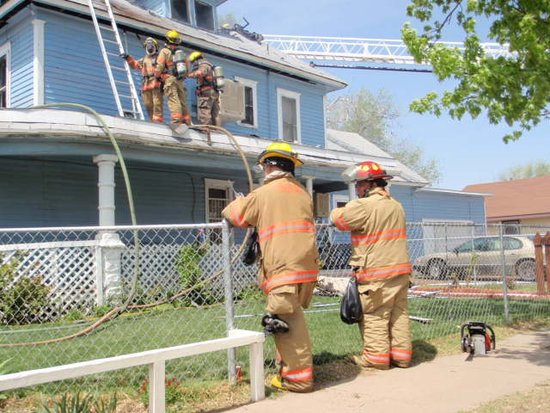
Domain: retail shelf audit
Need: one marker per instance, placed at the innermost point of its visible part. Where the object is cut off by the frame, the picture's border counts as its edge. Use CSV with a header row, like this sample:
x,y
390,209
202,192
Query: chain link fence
x,y
187,283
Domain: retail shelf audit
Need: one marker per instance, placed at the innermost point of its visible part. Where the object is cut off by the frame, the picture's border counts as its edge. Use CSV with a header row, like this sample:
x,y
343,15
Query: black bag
x,y
252,249
351,311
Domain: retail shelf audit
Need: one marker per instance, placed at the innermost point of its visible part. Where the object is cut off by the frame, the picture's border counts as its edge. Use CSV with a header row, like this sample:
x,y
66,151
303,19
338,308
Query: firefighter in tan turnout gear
x,y
171,70
208,96
380,261
282,211
151,86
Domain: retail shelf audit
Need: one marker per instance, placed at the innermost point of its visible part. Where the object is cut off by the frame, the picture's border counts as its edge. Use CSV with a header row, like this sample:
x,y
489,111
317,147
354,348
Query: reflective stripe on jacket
x,y
378,234
147,65
282,210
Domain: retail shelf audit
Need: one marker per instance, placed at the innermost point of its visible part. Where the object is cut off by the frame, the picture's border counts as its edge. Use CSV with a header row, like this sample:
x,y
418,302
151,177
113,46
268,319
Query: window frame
x,y
5,51
212,15
289,95
252,84
210,183
172,16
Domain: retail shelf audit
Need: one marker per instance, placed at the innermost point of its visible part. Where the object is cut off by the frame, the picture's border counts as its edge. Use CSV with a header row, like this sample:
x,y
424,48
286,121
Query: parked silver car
x,y
482,255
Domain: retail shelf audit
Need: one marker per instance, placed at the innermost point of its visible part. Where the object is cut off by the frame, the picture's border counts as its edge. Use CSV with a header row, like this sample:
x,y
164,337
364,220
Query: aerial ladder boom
x,y
346,50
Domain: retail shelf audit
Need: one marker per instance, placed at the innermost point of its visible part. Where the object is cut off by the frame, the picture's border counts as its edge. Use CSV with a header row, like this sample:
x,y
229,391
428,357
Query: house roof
x,y
236,47
363,149
516,199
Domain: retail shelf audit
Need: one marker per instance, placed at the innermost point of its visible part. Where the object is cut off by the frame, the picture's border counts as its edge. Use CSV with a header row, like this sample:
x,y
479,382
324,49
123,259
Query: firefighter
x,y
282,211
207,92
151,86
380,261
174,89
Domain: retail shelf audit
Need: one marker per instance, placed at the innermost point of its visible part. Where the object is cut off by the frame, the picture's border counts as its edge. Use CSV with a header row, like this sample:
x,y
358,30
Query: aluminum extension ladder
x,y
124,89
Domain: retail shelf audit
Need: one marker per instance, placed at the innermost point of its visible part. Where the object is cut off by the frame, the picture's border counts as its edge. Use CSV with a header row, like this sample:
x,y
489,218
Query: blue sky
x,y
468,151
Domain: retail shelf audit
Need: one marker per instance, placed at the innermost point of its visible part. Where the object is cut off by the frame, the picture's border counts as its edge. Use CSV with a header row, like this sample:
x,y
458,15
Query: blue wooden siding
x,y
37,193
73,66
445,206
19,34
42,193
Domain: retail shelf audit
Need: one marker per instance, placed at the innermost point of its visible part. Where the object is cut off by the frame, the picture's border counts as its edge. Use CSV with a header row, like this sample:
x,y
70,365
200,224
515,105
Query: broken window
x,y
250,103
205,15
180,10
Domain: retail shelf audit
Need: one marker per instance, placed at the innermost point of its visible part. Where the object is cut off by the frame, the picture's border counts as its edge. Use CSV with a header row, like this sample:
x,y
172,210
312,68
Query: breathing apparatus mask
x,y
150,46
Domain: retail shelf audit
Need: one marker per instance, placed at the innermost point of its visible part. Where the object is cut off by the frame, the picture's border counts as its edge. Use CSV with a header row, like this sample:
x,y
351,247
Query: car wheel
x,y
525,270
437,269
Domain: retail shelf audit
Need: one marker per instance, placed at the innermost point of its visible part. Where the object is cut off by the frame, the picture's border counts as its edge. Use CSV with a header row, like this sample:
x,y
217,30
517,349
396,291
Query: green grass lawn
x,y
169,326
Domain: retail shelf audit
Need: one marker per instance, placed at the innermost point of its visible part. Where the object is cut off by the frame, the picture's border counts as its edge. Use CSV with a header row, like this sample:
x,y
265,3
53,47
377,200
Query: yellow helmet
x,y
172,36
194,56
280,150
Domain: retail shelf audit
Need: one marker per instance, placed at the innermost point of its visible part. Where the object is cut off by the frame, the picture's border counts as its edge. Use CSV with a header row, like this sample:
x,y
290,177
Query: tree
x,y
529,170
374,117
514,88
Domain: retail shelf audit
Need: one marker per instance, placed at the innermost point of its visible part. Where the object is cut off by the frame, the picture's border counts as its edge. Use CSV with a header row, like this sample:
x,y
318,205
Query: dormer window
x,y
205,15
180,10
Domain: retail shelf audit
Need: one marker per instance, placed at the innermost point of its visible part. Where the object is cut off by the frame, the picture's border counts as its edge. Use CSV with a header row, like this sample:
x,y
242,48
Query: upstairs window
x,y
288,108
250,103
4,76
180,10
205,15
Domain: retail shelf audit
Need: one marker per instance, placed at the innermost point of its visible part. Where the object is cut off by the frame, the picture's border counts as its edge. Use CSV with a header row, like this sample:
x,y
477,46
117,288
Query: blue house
x,y
54,158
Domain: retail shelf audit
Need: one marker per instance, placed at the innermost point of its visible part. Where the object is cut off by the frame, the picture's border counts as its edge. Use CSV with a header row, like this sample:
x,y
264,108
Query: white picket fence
x,y
156,360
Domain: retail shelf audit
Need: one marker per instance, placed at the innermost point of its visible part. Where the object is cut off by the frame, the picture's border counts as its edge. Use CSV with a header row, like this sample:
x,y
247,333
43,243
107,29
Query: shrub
x,y
191,275
21,301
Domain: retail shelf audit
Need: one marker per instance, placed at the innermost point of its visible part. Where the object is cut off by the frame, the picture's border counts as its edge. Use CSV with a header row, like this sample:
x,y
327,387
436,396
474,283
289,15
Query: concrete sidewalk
x,y
445,384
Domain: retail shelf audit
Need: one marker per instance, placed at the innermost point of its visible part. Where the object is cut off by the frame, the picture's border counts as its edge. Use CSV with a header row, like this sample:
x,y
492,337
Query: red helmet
x,y
366,171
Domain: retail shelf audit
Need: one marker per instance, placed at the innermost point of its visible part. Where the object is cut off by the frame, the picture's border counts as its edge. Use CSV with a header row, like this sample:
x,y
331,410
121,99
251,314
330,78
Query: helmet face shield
x,y
365,171
350,173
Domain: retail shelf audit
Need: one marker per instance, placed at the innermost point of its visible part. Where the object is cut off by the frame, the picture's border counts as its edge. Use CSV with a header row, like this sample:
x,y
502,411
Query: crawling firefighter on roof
x,y
380,262
282,210
151,86
208,88
171,69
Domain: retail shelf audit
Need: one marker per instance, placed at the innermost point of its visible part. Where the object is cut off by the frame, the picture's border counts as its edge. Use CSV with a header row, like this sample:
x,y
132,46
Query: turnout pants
x,y
209,108
385,325
293,347
152,100
177,101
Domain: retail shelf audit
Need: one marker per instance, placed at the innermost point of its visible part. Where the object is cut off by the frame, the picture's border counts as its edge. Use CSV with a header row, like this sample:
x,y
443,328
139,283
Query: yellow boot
x,y
277,383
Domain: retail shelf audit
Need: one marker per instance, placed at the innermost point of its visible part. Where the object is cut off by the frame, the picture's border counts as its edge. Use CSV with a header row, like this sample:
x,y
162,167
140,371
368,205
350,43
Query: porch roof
x,y
54,132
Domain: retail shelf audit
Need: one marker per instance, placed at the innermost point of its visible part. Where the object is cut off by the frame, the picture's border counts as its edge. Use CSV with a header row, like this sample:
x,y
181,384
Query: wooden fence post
x,y
546,243
539,263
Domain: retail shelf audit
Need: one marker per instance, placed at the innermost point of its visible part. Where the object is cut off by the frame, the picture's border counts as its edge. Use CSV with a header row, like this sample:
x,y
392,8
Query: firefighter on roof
x,y
380,261
171,70
282,210
151,86
208,96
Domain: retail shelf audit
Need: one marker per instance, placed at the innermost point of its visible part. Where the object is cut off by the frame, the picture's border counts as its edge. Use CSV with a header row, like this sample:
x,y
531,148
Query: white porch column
x,y
309,184
109,250
106,185
351,190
